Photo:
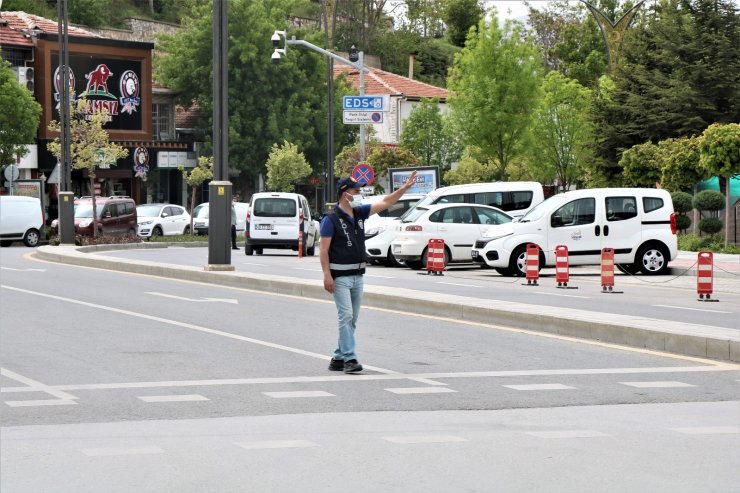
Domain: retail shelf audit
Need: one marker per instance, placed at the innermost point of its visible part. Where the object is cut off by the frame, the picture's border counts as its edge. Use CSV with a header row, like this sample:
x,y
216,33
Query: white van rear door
x,y
274,218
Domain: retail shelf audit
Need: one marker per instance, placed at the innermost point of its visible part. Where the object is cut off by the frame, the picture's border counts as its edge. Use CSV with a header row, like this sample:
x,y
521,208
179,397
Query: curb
x,y
682,338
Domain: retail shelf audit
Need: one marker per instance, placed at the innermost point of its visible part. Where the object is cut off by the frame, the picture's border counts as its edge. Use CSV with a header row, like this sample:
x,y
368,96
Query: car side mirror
x,y
107,214
556,221
164,214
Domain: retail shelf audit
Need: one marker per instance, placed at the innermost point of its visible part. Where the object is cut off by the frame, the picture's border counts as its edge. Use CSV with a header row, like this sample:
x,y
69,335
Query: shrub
x,y
683,222
711,243
98,240
710,225
709,200
682,202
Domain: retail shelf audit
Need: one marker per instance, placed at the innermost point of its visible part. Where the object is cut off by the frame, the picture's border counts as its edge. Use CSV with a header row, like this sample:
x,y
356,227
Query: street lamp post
x,y
66,197
358,64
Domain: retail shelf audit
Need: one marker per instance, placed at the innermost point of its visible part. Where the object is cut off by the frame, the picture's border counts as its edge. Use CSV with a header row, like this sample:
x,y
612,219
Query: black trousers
x,y
233,236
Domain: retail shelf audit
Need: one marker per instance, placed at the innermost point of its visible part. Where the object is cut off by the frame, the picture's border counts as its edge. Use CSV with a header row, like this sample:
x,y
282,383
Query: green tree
x,y
468,170
88,142
19,119
349,157
562,131
460,16
384,157
495,87
286,165
429,136
641,165
200,174
680,168
719,148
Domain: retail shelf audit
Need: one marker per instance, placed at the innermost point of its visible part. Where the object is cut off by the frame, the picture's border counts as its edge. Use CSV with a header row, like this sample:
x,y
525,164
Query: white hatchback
x,y
162,220
459,225
380,228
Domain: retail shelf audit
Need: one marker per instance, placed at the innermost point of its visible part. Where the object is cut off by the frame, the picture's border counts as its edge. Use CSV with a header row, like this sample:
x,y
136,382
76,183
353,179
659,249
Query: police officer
x,y
343,262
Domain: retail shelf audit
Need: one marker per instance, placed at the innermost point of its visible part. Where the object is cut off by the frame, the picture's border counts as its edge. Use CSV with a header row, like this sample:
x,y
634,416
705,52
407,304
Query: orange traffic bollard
x,y
533,264
300,241
562,270
436,256
705,276
607,271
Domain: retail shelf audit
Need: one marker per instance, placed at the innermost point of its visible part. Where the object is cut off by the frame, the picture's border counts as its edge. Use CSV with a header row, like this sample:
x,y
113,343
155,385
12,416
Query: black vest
x,y
347,250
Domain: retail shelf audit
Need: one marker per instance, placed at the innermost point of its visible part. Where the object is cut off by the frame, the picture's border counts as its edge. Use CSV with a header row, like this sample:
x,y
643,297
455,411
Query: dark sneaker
x,y
352,366
336,365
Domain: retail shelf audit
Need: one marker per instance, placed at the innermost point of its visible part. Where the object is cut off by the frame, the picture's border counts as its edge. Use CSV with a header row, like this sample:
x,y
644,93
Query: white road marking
x,y
201,300
540,386
567,434
692,309
460,284
100,452
420,390
276,444
298,393
564,295
709,430
205,330
46,402
381,277
254,263
309,270
657,385
425,439
369,377
173,398
23,270
34,385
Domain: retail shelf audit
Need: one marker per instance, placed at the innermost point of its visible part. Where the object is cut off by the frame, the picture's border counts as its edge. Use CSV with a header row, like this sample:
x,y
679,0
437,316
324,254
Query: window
x,y
506,201
161,114
275,207
650,204
452,199
620,208
397,209
452,215
581,211
487,216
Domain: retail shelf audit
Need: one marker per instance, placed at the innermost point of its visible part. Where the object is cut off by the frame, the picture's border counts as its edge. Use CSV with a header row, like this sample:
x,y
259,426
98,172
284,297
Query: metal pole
x,y
330,134
219,222
361,62
66,197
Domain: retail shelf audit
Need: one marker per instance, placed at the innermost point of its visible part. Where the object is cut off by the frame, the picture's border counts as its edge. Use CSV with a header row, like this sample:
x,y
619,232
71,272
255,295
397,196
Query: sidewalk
x,y
725,265
674,337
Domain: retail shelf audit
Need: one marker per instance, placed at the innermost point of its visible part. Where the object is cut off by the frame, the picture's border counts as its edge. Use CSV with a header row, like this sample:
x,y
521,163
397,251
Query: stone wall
x,y
138,30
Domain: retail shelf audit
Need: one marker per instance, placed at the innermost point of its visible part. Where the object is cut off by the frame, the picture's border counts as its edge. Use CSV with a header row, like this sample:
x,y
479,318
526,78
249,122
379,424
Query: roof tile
x,y
381,82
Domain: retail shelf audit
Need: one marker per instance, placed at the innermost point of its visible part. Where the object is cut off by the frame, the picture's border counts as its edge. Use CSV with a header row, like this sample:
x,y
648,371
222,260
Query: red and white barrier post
x,y
705,276
436,256
300,241
562,269
607,270
533,264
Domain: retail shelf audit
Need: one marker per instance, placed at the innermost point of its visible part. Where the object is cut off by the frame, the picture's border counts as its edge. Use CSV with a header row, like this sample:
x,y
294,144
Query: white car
x,y
459,225
201,212
21,218
380,228
162,220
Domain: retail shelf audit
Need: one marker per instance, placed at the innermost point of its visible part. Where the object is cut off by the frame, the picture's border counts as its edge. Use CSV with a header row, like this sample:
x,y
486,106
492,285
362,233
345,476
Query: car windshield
x,y
201,212
414,214
541,209
274,207
148,210
85,210
428,200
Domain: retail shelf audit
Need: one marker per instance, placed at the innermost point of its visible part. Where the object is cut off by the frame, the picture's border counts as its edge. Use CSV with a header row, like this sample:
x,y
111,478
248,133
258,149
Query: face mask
x,y
355,200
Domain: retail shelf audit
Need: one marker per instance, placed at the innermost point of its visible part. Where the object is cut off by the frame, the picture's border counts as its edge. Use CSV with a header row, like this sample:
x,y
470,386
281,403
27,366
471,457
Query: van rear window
x,y
274,207
506,201
650,204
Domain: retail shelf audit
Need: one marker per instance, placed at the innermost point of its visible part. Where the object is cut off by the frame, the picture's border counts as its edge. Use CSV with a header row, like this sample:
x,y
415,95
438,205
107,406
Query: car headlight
x,y
142,223
375,231
85,223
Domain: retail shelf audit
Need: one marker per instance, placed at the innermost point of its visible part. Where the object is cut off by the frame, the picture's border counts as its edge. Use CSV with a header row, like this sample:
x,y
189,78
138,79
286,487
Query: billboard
x,y
110,84
427,178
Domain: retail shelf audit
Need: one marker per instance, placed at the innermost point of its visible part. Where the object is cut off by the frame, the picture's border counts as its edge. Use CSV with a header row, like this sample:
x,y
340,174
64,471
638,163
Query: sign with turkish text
x,y
427,178
363,103
360,117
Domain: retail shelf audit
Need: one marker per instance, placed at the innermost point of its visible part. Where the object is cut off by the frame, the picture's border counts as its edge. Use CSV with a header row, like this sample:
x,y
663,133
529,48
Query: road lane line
x,y
424,439
36,385
111,451
298,394
692,309
276,444
540,386
709,430
173,398
420,390
45,402
657,385
565,295
199,328
460,284
567,434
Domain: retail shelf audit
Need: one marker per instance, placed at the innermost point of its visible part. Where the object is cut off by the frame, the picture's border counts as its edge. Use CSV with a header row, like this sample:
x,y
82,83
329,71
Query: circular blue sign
x,y
363,173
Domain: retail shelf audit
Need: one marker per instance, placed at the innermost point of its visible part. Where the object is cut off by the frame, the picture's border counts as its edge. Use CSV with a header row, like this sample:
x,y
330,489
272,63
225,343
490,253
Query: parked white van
x,y
21,218
274,219
637,223
515,198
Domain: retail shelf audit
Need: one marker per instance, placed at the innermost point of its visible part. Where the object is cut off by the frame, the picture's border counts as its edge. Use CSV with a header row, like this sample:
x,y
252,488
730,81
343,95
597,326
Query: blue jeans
x,y
348,298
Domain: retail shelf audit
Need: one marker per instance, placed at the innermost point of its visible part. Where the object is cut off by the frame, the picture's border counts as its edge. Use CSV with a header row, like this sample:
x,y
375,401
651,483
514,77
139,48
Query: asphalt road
x,y
119,382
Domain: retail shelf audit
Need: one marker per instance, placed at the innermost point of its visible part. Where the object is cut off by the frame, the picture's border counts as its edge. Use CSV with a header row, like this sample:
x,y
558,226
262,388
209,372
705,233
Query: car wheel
x,y
424,257
186,231
414,264
157,231
132,231
393,261
630,269
504,271
518,262
248,249
6,243
31,238
653,260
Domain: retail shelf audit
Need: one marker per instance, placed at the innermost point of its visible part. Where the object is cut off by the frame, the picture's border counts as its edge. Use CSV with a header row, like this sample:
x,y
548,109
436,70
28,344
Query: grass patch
x,y
710,243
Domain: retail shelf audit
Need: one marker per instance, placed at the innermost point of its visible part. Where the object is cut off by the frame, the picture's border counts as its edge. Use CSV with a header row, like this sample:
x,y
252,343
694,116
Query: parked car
x,y
116,215
21,218
162,220
200,217
459,225
380,228
637,223
274,220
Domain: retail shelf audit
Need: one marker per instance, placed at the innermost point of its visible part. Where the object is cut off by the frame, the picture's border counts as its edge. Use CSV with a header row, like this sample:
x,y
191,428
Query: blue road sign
x,y
363,103
363,173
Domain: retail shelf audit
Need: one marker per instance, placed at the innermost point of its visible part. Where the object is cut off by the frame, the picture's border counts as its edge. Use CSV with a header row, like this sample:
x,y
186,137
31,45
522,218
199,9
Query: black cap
x,y
347,183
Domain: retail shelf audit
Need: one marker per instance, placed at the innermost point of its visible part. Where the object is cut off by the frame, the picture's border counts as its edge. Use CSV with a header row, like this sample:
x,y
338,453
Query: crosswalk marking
x,y
44,402
567,434
540,386
709,430
268,444
173,398
425,439
657,385
298,393
420,390
99,452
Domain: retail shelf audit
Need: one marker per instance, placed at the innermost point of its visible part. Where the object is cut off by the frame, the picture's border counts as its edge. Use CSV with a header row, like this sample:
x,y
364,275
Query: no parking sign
x,y
363,173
